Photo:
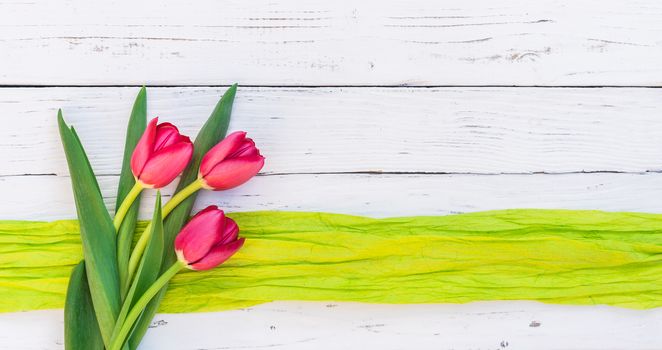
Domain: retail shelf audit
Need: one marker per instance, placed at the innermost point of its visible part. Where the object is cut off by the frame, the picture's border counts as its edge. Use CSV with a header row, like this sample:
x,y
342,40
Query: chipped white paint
x,y
302,130
50,198
356,150
343,42
302,325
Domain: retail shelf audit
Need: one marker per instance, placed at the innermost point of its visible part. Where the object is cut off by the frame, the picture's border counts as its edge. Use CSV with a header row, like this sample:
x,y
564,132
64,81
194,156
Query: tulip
x,y
230,163
161,154
209,239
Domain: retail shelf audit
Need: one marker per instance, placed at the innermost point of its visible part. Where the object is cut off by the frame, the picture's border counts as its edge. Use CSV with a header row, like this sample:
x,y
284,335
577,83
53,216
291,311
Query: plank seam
x,y
395,86
374,172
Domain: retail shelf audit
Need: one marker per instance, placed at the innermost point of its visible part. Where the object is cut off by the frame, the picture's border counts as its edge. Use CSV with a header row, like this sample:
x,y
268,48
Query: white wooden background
x,y
378,108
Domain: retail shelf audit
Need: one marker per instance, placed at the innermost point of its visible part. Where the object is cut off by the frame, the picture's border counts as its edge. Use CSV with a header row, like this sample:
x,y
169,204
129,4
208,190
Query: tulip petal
x,y
166,135
233,172
218,255
143,149
164,165
247,148
199,235
230,232
219,152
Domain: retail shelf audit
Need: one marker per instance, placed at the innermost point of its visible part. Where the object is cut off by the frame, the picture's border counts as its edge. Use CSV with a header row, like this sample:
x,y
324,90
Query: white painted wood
x,y
316,42
305,325
302,130
50,198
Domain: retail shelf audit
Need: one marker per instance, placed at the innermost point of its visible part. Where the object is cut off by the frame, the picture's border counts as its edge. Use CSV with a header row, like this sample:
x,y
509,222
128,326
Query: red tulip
x,y
208,240
230,163
160,155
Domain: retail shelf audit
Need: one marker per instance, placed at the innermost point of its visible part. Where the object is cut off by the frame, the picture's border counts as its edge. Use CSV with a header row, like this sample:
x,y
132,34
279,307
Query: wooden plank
x,y
289,42
49,197
331,325
321,130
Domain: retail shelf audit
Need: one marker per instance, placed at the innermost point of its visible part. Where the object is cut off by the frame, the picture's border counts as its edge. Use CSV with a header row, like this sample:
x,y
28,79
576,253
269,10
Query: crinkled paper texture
x,y
553,256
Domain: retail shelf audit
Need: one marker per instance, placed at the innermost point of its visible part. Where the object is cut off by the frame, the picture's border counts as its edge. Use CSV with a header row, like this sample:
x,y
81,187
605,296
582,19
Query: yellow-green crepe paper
x,y
553,256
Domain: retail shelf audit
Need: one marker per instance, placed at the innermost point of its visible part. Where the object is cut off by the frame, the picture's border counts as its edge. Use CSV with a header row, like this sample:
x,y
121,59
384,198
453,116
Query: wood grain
x,y
369,151
332,325
49,197
289,42
330,130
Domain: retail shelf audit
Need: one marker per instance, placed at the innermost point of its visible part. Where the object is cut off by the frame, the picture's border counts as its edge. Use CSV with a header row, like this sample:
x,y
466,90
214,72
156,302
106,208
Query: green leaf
x,y
211,133
149,268
81,327
134,130
97,233
81,330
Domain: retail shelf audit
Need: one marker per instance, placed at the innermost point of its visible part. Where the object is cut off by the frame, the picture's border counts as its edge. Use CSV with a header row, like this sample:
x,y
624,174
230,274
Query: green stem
x,y
126,205
180,196
137,309
138,250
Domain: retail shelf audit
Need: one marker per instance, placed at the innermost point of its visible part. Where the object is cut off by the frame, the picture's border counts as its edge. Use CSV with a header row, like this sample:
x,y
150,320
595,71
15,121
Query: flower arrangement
x,y
114,293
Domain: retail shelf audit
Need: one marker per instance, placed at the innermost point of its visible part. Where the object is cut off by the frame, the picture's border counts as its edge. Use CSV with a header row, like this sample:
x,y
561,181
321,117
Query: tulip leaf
x,y
81,330
134,130
149,268
97,233
210,134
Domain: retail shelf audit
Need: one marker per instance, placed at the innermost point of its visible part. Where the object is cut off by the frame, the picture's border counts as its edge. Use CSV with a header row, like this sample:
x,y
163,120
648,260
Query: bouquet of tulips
x,y
115,291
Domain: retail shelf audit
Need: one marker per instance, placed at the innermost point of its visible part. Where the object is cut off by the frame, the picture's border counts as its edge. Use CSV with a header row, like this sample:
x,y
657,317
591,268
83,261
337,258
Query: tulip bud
x,y
208,240
230,163
160,155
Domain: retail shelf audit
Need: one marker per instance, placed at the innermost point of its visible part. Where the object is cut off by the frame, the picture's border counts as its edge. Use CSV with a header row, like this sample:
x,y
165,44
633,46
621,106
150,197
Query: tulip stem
x,y
126,205
181,196
138,250
118,341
